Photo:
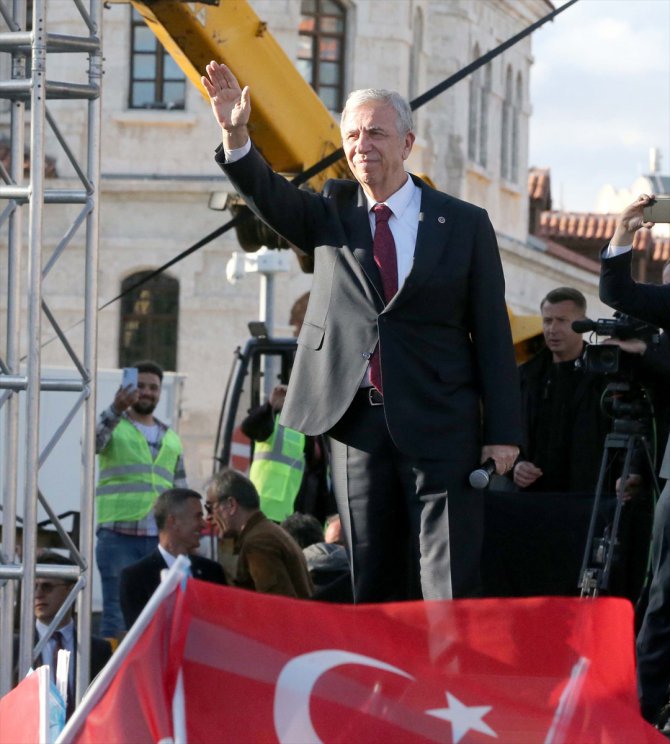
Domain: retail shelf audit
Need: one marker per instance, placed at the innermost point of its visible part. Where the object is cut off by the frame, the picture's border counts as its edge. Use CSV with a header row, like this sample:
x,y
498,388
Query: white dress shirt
x,y
405,205
616,250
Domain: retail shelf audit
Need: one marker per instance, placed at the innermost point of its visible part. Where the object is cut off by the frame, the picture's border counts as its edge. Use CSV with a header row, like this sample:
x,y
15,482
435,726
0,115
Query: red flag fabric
x,y
137,705
258,668
20,713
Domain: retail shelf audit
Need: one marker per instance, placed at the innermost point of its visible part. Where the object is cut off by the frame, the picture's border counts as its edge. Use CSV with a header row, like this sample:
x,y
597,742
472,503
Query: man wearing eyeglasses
x,y
50,594
269,560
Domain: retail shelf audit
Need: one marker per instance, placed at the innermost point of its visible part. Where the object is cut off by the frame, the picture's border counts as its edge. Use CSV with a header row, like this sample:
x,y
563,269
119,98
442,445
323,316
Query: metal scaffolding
x,y
29,89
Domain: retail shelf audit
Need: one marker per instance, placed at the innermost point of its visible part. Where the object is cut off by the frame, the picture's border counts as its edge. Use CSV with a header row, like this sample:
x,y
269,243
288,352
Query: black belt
x,y
370,396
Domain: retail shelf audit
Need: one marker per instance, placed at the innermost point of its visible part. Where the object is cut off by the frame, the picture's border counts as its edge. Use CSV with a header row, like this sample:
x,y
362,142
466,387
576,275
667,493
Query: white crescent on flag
x,y
296,680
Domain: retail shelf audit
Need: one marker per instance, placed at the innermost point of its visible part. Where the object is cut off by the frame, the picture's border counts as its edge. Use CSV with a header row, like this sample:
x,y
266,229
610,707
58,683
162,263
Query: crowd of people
x,y
405,380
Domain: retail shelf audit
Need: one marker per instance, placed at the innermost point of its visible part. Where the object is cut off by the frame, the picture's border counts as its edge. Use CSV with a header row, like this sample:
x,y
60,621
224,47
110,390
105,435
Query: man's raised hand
x,y
231,104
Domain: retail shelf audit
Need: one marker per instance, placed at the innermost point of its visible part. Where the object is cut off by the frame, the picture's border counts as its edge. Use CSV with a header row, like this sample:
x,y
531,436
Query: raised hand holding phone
x,y
127,394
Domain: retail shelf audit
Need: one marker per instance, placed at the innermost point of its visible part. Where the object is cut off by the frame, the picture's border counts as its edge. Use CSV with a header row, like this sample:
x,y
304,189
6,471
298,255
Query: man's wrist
x,y
622,237
235,137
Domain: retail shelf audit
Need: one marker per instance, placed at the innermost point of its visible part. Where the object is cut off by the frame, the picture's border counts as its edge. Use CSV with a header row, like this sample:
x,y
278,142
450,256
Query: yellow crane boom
x,y
289,122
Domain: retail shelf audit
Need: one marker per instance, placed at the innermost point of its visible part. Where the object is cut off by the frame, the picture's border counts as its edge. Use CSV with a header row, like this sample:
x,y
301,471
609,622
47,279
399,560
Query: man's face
x,y
49,596
186,526
375,151
564,343
149,389
221,514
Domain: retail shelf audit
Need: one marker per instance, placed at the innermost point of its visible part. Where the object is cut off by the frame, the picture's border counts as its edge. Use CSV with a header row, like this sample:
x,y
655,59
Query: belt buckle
x,y
372,393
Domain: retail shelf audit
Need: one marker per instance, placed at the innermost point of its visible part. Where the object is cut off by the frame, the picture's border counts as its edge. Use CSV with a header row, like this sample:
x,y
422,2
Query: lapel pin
x,y
441,220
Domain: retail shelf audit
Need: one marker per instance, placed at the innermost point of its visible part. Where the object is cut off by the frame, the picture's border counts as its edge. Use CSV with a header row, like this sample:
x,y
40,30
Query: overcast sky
x,y
600,92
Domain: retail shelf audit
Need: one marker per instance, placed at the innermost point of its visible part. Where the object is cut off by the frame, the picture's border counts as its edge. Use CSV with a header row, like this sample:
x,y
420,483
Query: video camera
x,y
607,358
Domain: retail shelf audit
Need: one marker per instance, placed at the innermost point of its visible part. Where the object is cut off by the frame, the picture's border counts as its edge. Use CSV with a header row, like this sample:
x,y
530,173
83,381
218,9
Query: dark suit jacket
x,y
586,432
101,652
140,580
445,337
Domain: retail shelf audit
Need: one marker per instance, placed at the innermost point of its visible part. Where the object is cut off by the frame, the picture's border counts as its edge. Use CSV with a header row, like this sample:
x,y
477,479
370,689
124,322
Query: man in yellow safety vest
x,y
139,457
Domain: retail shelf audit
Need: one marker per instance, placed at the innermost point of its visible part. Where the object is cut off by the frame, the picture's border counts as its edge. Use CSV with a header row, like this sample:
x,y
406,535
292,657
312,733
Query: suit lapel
x,y
362,252
435,228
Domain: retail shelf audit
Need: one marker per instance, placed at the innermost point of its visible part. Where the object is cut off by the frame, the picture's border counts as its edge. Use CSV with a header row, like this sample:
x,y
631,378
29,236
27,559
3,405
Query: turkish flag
x,y
259,668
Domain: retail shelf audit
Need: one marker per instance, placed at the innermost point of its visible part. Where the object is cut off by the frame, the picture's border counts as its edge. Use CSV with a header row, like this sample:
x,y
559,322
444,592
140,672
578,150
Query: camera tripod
x,y
629,434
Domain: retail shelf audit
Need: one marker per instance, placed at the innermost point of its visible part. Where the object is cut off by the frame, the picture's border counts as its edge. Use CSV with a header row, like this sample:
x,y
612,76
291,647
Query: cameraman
x,y
650,303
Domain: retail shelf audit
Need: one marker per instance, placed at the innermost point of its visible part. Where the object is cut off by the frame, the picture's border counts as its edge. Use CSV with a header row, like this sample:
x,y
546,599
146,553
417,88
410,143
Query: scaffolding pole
x,y
20,389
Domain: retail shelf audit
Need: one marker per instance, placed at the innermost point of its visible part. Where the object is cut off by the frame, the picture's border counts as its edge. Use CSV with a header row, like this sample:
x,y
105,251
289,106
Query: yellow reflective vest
x,y
277,470
130,480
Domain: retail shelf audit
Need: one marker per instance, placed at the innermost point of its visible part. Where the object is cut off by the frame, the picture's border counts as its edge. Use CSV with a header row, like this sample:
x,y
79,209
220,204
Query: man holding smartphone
x,y
139,458
650,303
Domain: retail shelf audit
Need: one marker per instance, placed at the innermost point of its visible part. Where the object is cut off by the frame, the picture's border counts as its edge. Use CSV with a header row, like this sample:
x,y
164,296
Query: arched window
x,y
485,94
321,49
478,112
149,320
415,55
506,129
516,124
473,109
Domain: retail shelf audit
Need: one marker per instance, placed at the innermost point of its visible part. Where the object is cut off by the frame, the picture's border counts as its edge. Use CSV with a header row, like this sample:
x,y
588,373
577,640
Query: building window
x,y
478,113
516,124
321,49
149,320
506,133
156,81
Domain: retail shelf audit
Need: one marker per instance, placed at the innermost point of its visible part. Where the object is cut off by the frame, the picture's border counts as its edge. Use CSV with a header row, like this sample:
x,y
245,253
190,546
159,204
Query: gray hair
x,y
404,120
229,483
172,502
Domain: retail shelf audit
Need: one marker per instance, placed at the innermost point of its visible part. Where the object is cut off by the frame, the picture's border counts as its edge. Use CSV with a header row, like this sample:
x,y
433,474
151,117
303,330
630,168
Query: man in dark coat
x,y
564,425
179,518
405,355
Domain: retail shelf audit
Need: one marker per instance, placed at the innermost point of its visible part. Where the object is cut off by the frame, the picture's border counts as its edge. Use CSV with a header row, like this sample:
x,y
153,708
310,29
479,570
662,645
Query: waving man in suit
x,y
405,357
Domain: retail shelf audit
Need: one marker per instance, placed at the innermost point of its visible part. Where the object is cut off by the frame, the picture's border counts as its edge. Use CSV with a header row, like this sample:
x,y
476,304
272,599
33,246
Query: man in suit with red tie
x,y
405,356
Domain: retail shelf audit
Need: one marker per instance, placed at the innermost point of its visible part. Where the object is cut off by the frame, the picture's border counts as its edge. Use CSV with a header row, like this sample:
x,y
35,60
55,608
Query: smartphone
x,y
129,378
658,210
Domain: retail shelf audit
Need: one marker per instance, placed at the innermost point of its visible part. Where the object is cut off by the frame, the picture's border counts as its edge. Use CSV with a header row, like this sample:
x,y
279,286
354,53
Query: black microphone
x,y
481,477
584,326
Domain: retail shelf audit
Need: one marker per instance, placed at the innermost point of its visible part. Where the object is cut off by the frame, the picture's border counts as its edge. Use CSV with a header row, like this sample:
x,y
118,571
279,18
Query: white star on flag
x,y
463,718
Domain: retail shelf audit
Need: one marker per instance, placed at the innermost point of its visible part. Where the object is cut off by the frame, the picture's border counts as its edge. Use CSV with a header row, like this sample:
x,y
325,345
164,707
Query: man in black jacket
x,y
564,425
178,513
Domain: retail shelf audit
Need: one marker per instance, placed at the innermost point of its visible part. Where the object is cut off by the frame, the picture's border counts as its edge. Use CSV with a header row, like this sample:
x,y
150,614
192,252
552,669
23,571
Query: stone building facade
x,y
158,172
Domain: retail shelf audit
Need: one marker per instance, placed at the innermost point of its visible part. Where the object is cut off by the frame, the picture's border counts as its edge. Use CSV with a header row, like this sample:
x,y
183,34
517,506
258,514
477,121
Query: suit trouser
x,y
653,640
413,526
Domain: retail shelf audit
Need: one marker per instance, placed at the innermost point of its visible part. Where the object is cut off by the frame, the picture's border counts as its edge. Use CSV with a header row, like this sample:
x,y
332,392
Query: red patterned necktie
x,y
384,253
